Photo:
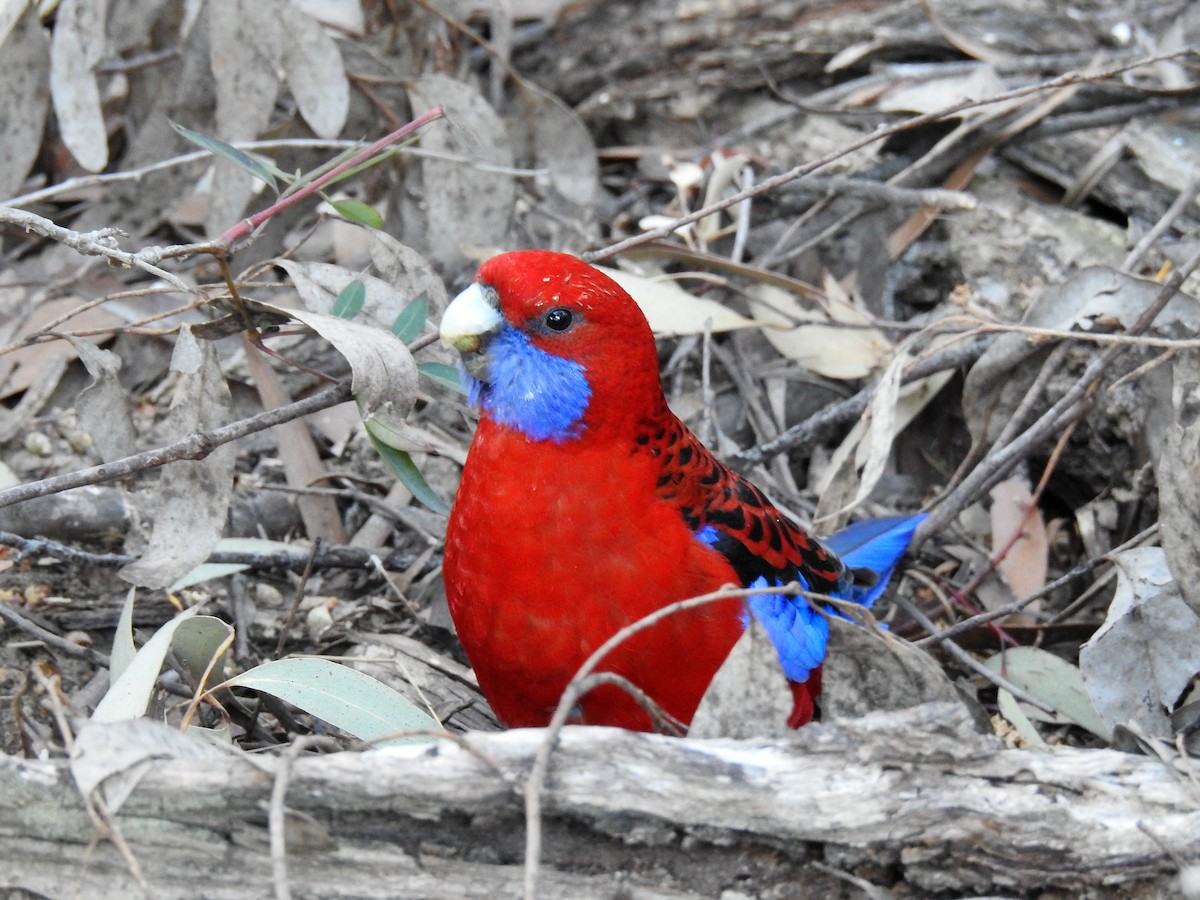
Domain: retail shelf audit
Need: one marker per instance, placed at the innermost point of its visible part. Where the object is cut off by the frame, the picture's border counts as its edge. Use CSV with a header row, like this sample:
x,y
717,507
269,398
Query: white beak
x,y
469,318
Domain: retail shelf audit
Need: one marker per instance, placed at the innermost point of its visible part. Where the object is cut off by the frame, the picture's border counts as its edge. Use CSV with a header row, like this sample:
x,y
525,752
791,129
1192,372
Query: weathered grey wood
x,y
916,795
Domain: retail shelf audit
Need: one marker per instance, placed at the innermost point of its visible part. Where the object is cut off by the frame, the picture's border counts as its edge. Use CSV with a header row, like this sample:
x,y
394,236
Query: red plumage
x,y
556,543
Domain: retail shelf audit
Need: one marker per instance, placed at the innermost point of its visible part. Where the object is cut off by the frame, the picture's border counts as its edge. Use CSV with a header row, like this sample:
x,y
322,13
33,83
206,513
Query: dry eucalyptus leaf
x,y
1147,652
557,140
192,498
384,375
843,353
24,70
672,310
246,55
316,74
463,204
1055,682
868,669
102,405
1092,297
926,96
406,271
10,12
867,447
320,284
749,696
116,755
1178,484
76,47
345,15
1025,565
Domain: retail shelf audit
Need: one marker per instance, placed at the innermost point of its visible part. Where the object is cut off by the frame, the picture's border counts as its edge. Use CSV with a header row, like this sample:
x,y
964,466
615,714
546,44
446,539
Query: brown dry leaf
x,y
246,54
1147,652
963,42
24,70
1178,473
102,405
843,353
193,495
672,310
344,15
10,13
1025,565
557,140
315,73
22,368
935,94
463,205
405,270
893,406
319,285
76,47
383,371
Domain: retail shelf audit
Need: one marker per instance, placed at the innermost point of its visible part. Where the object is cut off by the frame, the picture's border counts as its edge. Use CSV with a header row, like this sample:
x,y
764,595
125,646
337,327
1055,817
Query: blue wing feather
x,y
799,632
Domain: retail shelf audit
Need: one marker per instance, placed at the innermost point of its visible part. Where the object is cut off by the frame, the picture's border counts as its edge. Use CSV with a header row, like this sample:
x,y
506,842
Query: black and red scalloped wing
x,y
734,516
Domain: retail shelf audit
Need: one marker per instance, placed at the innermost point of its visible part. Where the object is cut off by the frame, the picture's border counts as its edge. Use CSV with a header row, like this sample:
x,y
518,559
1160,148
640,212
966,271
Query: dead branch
x,y
915,797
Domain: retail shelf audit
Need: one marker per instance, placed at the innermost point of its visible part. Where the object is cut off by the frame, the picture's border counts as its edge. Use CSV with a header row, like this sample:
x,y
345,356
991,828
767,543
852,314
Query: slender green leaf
x,y
239,158
123,648
357,211
406,470
129,696
349,302
411,319
365,164
1011,710
209,571
344,697
443,374
197,641
1052,680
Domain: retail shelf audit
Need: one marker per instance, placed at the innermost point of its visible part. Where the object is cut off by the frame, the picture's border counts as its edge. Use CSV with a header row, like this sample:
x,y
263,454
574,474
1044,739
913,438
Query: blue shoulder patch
x,y
539,394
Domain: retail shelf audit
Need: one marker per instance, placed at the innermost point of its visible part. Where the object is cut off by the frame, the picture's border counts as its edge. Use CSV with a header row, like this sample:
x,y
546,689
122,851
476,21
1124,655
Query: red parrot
x,y
585,505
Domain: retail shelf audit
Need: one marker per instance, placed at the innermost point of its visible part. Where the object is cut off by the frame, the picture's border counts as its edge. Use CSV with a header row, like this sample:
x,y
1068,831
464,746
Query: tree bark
x,y
913,798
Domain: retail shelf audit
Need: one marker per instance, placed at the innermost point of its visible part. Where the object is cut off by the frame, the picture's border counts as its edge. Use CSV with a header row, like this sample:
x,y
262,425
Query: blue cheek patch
x,y
541,395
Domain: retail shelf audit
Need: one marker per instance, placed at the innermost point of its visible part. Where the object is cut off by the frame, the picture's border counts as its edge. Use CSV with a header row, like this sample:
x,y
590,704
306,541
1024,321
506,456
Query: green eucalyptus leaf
x,y
349,302
343,697
240,158
411,319
403,467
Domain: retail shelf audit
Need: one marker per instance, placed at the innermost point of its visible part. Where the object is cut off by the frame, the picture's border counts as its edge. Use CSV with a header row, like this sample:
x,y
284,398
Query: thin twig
x,y
1008,609
1069,407
196,445
330,556
247,226
1174,211
102,242
846,411
880,134
574,691
967,659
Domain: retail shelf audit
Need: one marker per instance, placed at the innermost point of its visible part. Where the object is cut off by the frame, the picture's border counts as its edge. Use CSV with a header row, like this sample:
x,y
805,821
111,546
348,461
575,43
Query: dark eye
x,y
559,319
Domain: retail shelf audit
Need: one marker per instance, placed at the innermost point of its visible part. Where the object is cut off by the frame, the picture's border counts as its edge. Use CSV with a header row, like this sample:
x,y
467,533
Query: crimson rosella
x,y
585,505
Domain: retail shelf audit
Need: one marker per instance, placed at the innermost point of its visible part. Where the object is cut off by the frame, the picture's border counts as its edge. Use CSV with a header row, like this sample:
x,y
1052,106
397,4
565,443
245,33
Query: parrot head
x,y
553,348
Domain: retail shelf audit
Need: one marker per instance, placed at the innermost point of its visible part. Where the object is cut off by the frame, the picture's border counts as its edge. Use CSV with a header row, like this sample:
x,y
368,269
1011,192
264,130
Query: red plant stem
x,y
246,226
